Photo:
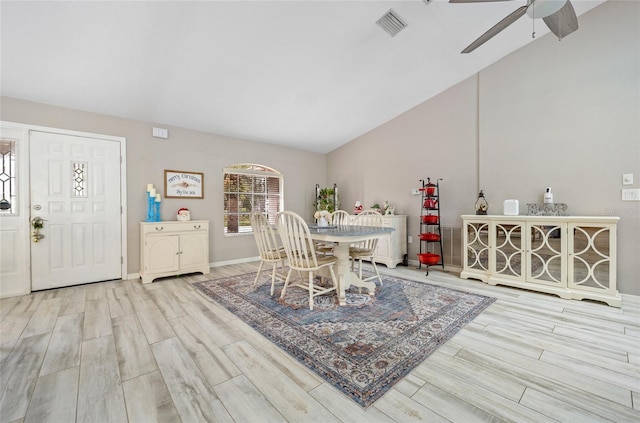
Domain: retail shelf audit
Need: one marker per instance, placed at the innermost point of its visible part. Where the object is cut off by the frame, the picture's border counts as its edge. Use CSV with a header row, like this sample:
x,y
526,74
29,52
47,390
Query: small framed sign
x,y
183,184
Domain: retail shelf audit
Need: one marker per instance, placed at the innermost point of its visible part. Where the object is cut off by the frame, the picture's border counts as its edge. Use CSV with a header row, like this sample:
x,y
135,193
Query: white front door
x,y
75,189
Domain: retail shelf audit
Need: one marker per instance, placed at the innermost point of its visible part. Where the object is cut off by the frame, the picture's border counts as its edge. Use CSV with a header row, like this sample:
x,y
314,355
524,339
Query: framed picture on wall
x,y
183,184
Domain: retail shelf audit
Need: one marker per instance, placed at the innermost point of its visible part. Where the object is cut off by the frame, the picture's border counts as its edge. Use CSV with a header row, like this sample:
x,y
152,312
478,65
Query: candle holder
x,y
157,212
150,207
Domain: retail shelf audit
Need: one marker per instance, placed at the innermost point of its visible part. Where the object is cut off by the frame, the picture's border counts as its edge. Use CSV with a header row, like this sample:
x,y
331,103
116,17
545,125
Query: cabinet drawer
x,y
168,227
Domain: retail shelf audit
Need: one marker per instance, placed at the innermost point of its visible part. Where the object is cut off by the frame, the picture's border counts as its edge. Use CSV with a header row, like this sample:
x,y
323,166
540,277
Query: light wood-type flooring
x,y
120,351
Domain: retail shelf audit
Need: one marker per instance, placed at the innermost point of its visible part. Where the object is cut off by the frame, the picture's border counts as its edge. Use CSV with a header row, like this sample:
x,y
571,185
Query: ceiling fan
x,y
559,15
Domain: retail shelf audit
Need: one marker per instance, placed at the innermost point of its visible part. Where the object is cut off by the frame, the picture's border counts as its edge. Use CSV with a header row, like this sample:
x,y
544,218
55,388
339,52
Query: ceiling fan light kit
x,y
558,15
543,8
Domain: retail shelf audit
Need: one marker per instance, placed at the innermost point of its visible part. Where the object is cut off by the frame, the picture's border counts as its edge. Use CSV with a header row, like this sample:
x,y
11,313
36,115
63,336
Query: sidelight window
x,y
8,203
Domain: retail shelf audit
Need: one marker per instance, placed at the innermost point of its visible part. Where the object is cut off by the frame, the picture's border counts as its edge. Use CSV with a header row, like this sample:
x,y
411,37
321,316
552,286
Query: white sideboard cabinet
x,y
173,248
392,247
569,256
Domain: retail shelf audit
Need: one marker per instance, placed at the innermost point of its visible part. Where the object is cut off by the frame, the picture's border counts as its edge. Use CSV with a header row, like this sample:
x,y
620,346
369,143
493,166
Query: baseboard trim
x,y
235,261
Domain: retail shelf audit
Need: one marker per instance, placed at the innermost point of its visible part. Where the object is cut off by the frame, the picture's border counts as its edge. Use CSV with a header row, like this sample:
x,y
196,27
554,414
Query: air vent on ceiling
x,y
392,23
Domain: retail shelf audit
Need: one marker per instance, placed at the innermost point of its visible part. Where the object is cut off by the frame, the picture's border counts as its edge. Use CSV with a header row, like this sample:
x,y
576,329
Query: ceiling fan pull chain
x,y
533,21
533,33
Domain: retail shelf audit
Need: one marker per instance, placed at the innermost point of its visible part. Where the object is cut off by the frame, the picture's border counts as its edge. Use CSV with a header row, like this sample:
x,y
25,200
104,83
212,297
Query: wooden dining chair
x,y
269,248
302,257
365,250
340,217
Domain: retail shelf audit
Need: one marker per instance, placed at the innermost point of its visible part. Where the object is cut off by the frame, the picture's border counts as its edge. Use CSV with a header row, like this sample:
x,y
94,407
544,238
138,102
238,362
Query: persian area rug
x,y
362,348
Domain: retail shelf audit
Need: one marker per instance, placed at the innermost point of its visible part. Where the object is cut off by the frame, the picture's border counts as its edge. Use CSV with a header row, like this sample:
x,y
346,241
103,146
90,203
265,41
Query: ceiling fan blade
x,y
517,14
563,22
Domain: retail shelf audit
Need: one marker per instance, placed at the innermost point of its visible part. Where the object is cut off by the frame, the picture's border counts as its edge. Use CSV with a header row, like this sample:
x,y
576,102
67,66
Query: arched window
x,y
250,188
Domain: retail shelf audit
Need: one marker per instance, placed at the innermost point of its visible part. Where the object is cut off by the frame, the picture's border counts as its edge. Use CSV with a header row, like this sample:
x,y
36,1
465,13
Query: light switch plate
x,y
631,194
160,133
627,179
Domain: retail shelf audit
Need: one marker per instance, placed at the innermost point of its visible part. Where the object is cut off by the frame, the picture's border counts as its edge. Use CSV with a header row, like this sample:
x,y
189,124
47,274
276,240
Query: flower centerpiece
x,y
323,217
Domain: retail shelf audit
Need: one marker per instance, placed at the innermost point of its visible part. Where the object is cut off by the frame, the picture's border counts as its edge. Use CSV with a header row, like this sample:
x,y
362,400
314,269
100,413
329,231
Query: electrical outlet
x,y
410,239
631,194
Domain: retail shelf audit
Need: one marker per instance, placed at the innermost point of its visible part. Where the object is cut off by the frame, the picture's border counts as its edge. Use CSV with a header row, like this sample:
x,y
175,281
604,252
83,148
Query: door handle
x,y
37,223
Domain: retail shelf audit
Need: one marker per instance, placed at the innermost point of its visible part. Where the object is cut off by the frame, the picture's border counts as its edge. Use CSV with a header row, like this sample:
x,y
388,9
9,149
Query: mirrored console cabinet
x,y
573,257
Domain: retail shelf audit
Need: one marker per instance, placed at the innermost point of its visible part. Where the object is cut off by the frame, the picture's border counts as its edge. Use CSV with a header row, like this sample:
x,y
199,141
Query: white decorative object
x,y
184,215
173,248
322,215
548,196
573,257
357,208
511,207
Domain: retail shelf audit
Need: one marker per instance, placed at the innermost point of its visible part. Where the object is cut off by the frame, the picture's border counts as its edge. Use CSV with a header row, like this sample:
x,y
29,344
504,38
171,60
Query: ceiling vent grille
x,y
391,23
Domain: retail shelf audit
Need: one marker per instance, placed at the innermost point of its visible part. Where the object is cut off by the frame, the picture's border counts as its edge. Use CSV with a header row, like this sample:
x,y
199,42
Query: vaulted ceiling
x,y
306,74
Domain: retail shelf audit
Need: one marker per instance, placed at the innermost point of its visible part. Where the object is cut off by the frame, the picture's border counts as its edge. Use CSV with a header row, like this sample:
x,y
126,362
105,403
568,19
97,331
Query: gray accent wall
x,y
560,114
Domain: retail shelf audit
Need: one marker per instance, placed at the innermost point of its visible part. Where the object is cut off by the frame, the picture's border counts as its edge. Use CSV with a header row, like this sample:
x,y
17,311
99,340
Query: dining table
x,y
342,236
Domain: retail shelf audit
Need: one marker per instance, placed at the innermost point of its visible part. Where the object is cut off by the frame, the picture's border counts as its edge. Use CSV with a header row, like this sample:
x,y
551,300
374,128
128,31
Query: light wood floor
x,y
121,351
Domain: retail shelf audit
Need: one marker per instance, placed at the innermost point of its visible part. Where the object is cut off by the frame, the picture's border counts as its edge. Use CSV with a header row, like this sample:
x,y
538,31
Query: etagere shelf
x,y
431,251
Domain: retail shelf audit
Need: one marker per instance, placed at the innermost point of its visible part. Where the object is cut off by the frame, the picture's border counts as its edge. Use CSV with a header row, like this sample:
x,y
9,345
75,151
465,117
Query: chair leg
x,y
273,277
255,282
375,267
286,283
310,290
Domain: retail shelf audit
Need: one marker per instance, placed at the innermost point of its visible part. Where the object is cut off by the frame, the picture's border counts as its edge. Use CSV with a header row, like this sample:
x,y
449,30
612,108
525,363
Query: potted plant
x,y
326,199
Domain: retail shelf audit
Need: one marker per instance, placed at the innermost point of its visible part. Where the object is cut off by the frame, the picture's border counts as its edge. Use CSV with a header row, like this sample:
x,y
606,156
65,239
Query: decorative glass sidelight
x,y
79,179
8,203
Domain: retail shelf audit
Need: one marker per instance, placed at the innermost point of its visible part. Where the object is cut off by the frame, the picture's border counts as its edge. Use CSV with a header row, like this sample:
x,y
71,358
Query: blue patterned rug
x,y
363,348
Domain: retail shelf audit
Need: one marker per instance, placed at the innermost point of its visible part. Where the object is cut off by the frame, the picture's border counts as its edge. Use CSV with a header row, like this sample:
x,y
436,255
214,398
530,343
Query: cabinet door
x,y
592,264
476,245
509,250
383,250
162,254
194,250
546,253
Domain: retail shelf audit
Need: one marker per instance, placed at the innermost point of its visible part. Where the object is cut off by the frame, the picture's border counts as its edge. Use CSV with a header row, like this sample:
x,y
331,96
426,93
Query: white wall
x,y
561,114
